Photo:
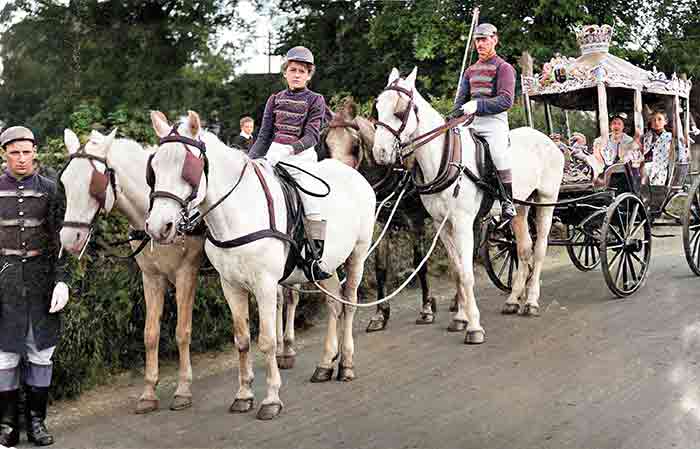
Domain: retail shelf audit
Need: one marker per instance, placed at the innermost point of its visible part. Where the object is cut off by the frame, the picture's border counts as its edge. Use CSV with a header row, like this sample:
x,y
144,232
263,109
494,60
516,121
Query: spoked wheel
x,y
585,253
500,254
691,228
625,249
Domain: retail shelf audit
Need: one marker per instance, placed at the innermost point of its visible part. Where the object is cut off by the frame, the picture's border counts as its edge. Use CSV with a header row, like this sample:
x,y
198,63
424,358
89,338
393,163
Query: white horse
x,y
537,171
257,267
177,264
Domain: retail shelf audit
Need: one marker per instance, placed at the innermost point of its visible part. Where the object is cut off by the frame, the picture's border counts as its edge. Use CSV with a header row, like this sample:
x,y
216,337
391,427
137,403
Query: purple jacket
x,y
292,118
491,83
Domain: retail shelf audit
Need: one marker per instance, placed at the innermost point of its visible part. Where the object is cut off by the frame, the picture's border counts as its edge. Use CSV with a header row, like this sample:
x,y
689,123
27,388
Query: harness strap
x,y
272,232
268,197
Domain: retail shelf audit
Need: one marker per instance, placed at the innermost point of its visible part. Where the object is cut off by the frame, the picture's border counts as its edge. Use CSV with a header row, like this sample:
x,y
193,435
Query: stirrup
x,y
313,271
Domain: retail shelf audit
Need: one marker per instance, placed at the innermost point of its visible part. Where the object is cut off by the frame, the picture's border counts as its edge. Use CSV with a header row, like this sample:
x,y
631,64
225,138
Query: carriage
x,y
606,218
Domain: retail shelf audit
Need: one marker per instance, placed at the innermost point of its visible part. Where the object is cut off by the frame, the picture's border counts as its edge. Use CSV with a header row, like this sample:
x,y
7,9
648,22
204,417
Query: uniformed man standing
x,y
32,286
486,89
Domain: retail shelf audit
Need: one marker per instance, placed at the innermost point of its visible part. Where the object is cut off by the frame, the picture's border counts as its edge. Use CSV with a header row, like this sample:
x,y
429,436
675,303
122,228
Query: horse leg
x,y
279,324
285,359
429,305
521,232
324,370
544,224
237,299
380,319
185,286
458,240
154,293
354,267
265,293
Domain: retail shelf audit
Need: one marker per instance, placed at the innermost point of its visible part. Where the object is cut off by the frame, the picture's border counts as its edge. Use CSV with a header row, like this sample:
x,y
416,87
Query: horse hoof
x,y
345,374
457,326
285,361
474,337
531,310
425,318
322,375
241,405
181,403
376,325
144,406
269,411
510,309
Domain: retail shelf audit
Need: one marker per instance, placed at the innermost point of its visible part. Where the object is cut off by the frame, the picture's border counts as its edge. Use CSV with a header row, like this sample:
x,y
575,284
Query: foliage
x,y
131,54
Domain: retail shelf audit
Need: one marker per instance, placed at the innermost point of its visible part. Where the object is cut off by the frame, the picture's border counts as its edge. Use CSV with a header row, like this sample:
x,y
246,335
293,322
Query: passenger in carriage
x,y
656,147
617,145
289,132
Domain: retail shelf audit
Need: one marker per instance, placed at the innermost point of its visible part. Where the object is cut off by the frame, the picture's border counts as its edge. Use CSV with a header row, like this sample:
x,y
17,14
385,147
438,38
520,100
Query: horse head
x,y
176,174
86,179
348,137
397,113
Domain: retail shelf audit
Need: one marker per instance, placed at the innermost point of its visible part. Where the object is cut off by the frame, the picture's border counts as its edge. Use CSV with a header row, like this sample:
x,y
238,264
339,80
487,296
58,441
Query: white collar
x,y
247,136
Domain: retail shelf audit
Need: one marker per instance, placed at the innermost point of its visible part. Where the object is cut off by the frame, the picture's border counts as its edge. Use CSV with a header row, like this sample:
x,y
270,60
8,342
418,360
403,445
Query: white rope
x,y
401,287
376,242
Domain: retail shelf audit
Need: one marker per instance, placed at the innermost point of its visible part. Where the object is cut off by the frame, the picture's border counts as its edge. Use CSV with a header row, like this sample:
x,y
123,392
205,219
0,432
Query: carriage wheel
x,y
500,254
625,249
691,228
587,256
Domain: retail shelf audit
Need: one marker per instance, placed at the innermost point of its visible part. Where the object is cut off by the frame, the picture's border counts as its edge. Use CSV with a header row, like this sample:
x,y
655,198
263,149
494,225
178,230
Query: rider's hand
x,y
278,152
469,107
59,299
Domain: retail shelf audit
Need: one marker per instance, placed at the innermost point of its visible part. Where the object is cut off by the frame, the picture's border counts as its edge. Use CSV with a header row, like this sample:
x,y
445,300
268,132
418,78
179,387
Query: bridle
x,y
99,182
193,169
406,149
403,115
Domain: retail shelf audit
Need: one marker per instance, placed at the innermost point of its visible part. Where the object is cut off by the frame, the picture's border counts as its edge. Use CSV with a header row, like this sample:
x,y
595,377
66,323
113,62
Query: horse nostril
x,y
166,229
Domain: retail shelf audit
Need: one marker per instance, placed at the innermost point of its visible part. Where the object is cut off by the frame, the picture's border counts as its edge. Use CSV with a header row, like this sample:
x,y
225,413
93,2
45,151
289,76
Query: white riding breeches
x,y
494,128
304,160
38,367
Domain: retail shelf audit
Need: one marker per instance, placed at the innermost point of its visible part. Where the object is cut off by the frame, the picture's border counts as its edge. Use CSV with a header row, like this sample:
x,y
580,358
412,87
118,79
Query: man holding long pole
x,y
486,89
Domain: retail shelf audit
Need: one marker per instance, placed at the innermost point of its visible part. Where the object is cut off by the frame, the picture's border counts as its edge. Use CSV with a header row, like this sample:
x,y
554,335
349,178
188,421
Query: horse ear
x,y
160,124
71,141
350,107
109,140
195,123
393,76
411,78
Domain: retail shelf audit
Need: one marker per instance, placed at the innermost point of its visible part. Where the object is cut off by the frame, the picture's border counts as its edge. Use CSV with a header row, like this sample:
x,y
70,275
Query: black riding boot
x,y
9,417
37,400
507,207
316,236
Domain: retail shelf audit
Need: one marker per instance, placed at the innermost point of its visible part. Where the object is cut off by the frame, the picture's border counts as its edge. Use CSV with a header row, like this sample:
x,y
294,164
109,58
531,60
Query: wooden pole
x,y
468,49
638,117
548,117
603,114
527,72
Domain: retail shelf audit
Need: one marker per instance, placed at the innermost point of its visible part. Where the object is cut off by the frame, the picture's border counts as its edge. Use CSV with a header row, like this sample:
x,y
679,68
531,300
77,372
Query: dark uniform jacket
x,y
31,212
242,143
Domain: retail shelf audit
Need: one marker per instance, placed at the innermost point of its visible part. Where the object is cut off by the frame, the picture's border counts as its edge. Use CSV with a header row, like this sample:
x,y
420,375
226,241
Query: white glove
x,y
278,152
469,107
59,299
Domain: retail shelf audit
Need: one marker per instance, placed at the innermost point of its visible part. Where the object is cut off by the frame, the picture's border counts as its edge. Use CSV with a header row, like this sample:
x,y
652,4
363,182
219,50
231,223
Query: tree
x,y
144,54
